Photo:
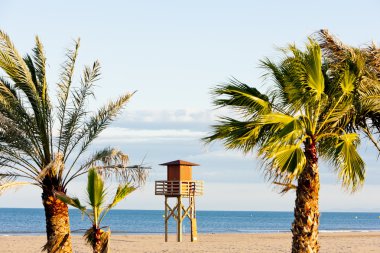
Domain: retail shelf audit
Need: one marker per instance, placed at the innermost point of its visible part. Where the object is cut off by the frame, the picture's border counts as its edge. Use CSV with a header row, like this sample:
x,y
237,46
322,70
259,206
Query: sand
x,y
362,242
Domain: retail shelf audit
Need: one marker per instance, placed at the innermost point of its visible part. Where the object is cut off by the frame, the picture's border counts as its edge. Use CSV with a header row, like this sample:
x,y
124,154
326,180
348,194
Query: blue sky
x,y
173,53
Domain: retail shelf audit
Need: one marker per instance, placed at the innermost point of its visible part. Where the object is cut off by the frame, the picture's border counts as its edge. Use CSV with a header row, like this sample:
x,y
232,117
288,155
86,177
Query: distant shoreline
x,y
115,233
29,222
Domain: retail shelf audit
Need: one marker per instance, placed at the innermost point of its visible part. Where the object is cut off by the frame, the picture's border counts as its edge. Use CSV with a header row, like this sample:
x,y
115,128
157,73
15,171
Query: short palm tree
x,y
304,116
43,143
96,193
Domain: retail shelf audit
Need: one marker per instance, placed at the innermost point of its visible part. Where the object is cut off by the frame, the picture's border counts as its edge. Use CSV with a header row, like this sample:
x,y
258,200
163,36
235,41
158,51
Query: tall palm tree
x,y
304,116
96,193
32,148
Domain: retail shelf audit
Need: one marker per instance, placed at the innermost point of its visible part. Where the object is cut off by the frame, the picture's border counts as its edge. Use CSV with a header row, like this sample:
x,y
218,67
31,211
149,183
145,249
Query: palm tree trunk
x,y
306,212
57,224
101,241
98,243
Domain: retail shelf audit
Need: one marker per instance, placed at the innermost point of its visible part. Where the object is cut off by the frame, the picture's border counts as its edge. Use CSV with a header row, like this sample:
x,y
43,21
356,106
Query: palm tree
x,y
34,149
96,193
303,117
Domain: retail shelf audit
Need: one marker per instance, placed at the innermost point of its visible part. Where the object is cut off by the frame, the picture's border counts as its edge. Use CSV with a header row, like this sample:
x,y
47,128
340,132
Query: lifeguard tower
x,y
179,184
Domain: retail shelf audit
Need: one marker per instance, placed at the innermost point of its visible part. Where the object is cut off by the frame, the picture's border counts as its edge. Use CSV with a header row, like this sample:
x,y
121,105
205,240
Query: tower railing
x,y
179,188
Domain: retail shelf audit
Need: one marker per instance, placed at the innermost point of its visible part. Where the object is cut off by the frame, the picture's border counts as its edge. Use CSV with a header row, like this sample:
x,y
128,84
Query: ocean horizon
x,y
31,221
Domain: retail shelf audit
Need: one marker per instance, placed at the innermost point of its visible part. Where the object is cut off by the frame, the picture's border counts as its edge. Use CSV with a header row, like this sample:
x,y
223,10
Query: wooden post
x,y
193,220
166,218
179,221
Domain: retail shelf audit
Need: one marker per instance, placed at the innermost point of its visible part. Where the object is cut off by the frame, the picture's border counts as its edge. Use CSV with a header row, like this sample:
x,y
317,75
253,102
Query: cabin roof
x,y
179,162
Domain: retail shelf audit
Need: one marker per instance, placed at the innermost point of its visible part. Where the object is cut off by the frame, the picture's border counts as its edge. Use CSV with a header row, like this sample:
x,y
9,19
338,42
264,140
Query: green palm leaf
x,y
121,192
289,159
74,202
313,67
95,189
348,162
275,118
347,83
246,99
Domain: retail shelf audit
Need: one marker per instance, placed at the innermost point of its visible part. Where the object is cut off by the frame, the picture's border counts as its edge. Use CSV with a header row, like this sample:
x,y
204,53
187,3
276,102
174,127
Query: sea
x,y
20,221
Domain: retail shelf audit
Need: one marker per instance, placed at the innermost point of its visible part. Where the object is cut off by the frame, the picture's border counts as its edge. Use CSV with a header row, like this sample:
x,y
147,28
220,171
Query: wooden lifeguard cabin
x,y
179,184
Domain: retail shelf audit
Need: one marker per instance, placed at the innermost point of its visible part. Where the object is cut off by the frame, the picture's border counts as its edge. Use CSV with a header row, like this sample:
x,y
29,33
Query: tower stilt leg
x,y
166,219
193,220
179,220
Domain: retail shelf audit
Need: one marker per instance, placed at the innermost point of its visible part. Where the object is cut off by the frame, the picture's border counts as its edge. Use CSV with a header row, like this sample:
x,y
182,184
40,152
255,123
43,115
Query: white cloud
x,y
177,116
127,135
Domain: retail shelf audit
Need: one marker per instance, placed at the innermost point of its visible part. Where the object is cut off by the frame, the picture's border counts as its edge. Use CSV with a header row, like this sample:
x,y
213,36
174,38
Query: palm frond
x,y
286,187
96,124
64,85
242,97
351,166
12,137
11,185
289,159
17,69
313,67
74,202
14,65
7,181
275,118
74,120
12,107
10,156
95,189
298,78
333,49
236,134
112,163
347,83
121,192
40,72
341,152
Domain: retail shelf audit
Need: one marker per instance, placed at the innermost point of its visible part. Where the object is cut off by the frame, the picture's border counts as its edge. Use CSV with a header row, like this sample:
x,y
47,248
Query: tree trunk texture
x,y
306,211
101,241
57,224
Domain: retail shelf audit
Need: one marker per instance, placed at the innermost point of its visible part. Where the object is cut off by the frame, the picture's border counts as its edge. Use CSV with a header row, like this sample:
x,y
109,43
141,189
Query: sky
x,y
172,53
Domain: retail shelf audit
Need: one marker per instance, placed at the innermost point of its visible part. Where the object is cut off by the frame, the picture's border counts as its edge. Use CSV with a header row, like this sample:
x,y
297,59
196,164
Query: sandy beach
x,y
264,243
